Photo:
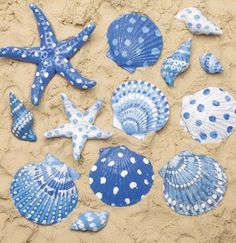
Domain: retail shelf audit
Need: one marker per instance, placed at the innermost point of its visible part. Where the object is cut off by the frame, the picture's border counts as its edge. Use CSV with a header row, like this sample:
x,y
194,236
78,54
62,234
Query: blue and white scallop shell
x,y
197,23
209,115
177,63
193,184
90,221
134,41
139,108
210,63
45,193
22,120
121,177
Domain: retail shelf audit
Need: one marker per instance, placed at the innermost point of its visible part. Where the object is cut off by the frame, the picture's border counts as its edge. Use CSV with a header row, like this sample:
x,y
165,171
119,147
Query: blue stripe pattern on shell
x,y
22,120
177,63
193,184
210,63
134,41
90,221
121,177
45,193
209,115
139,108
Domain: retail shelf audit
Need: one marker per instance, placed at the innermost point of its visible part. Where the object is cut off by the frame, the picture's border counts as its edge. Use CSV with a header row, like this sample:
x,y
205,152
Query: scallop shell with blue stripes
x,y
134,41
45,193
139,108
193,184
177,63
209,115
22,120
210,63
121,177
197,23
90,221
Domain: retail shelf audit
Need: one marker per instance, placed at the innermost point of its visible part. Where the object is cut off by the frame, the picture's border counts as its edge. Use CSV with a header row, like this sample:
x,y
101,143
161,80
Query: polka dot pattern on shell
x,y
209,115
130,46
128,179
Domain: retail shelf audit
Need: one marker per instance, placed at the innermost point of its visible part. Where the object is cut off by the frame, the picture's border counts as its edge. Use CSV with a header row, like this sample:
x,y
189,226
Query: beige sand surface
x,y
150,220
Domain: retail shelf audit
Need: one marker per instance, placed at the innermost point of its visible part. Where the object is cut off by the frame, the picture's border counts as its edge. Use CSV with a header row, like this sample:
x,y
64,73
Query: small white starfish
x,y
80,127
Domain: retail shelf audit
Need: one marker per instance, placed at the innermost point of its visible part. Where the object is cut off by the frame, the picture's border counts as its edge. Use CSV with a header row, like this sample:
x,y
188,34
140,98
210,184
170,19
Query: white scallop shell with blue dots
x,y
209,115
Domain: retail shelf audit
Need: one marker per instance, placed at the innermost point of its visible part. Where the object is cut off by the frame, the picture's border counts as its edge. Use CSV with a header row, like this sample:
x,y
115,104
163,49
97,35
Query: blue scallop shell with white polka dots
x,y
193,184
139,108
45,193
121,177
209,115
210,63
134,41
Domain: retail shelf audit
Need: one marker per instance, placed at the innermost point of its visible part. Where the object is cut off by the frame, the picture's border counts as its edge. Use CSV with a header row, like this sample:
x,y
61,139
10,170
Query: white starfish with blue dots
x,y
80,127
51,57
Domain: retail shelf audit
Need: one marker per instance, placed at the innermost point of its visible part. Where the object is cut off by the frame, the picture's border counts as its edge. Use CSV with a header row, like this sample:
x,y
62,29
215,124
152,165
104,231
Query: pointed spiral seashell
x,y
121,177
209,115
134,41
139,108
210,63
193,184
177,63
197,23
45,193
22,120
90,221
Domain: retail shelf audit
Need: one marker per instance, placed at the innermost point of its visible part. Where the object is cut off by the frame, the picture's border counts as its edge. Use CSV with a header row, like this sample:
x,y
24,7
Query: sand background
x,y
150,220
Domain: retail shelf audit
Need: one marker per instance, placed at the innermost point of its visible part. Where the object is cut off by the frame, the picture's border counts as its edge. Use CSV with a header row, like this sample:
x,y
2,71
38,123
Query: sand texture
x,y
150,220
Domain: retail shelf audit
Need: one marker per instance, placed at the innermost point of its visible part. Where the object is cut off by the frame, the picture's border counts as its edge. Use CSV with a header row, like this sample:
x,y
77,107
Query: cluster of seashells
x,y
45,193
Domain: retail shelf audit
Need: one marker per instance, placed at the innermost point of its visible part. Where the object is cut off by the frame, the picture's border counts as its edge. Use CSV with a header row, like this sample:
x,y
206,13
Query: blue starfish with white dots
x,y
80,127
51,57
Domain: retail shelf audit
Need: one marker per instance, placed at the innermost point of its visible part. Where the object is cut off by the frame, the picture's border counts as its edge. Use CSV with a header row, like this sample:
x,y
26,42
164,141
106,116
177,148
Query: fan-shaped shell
x,y
121,177
193,184
197,23
134,41
90,221
139,108
210,63
209,115
45,193
22,120
177,63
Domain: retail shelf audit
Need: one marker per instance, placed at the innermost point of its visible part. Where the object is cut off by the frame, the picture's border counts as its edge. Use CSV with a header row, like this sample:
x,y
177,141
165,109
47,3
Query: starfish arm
x,y
64,68
91,113
79,140
72,113
96,133
47,35
22,54
62,131
44,74
68,48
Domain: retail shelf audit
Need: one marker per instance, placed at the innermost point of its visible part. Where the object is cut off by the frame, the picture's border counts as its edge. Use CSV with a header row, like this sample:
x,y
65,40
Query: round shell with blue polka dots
x,y
121,177
209,115
134,41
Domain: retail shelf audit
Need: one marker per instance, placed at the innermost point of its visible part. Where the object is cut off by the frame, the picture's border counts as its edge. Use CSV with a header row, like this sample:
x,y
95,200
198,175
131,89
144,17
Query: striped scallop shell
x,y
45,193
193,184
139,108
210,63
134,41
90,221
209,115
197,23
121,177
176,63
22,120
